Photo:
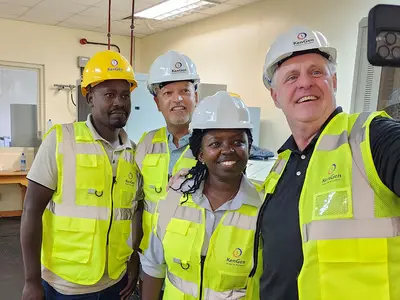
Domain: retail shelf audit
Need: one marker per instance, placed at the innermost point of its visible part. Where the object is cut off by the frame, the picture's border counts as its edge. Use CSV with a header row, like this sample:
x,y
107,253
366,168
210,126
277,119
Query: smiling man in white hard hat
x,y
331,216
173,81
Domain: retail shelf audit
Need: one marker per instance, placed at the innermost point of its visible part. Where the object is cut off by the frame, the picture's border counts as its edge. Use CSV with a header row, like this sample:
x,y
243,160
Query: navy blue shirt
x,y
280,229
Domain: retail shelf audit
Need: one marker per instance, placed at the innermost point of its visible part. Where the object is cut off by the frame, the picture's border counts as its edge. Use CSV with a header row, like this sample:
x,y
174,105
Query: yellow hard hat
x,y
107,65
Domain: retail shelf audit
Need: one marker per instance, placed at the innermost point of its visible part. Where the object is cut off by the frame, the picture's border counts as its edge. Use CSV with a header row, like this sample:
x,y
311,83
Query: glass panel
x,y
19,95
389,92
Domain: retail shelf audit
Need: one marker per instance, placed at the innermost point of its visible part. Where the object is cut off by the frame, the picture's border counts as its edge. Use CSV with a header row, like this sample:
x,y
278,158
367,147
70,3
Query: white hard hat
x,y
296,40
172,66
221,111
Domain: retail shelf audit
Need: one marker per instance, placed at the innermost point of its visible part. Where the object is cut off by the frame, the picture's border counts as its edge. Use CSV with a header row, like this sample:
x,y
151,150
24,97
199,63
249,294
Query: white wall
x,y
57,50
230,49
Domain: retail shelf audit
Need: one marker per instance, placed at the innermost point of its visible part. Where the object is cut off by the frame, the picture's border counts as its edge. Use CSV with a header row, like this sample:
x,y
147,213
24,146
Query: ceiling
x,y
92,14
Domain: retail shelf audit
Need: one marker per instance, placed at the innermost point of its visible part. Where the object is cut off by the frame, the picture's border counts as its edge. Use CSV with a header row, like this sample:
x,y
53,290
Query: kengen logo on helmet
x,y
301,36
178,68
114,63
302,39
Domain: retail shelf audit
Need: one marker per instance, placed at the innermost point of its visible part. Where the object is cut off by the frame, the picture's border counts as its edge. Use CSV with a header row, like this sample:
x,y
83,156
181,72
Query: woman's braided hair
x,y
200,172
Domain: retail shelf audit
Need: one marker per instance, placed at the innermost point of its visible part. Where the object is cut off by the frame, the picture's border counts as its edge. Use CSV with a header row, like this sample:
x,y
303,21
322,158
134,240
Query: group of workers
x,y
177,214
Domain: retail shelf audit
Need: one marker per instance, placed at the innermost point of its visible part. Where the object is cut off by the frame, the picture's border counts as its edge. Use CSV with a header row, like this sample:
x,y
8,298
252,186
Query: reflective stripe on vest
x,y
153,148
171,209
190,288
69,148
156,146
150,206
186,287
364,223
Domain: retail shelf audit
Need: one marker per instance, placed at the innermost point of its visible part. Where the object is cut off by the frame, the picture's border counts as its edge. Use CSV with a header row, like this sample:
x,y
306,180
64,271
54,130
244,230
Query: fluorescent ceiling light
x,y
172,8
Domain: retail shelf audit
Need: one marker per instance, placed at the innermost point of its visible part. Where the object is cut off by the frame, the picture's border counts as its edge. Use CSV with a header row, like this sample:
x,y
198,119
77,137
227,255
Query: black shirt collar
x,y
291,143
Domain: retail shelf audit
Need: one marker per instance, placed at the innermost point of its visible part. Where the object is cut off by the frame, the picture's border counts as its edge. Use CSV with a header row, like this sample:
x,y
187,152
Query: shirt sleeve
x,y
385,147
153,260
44,169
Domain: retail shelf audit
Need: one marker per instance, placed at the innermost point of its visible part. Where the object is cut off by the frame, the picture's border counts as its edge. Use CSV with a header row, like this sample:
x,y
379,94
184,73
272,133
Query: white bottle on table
x,y
23,162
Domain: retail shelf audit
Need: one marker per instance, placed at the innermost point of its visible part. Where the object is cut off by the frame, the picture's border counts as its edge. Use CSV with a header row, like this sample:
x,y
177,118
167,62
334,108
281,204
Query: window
x,y
20,104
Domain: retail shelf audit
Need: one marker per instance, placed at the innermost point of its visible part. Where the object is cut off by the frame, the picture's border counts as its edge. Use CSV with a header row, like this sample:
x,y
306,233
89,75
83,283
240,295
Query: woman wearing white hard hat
x,y
203,236
330,221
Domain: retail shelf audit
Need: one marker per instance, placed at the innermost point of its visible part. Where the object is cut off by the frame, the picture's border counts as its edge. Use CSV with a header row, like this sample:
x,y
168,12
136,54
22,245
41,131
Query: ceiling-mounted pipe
x,y
132,27
109,25
85,41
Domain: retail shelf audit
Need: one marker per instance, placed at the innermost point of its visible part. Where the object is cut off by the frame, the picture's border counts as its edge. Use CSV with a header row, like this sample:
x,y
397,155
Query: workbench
x,y
14,177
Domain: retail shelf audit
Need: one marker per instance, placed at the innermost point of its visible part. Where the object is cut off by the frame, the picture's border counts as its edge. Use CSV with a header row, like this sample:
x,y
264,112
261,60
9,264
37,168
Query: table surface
x,y
13,173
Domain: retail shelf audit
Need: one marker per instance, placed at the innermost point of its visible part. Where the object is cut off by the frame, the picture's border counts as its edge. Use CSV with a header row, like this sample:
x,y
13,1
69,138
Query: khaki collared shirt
x,y
44,171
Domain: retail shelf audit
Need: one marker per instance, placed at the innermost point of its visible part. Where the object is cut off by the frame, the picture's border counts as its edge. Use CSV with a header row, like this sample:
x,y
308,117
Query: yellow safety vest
x,y
350,221
224,272
90,212
153,161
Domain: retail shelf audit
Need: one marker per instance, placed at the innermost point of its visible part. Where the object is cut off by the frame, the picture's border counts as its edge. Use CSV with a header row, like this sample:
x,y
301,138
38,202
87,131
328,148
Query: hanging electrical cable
x,y
109,25
132,27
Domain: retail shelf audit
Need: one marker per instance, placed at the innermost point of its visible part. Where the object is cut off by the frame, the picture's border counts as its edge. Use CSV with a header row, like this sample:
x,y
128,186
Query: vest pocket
x,y
335,204
90,180
178,242
235,264
153,174
353,251
73,239
233,281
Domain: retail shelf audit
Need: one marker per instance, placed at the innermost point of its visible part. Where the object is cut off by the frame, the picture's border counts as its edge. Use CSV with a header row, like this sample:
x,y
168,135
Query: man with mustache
x,y
173,81
80,201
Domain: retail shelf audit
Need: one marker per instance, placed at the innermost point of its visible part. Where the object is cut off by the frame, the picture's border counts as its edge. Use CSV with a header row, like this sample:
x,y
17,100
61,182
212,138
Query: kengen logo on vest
x,y
130,180
237,253
332,175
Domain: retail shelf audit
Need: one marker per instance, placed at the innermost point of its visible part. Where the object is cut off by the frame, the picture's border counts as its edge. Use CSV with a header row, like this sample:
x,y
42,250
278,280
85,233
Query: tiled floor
x,y
11,266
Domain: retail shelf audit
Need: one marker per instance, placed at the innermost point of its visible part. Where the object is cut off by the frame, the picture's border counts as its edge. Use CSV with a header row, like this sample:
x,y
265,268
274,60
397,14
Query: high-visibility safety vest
x,y
224,272
90,213
350,221
152,159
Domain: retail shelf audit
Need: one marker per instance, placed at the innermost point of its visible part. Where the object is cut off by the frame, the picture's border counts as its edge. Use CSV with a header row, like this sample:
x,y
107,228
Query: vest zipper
x,y
112,209
202,260
257,234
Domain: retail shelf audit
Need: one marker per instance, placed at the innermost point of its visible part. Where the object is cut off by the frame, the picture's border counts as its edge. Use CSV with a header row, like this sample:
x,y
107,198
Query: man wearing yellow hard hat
x,y
77,221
